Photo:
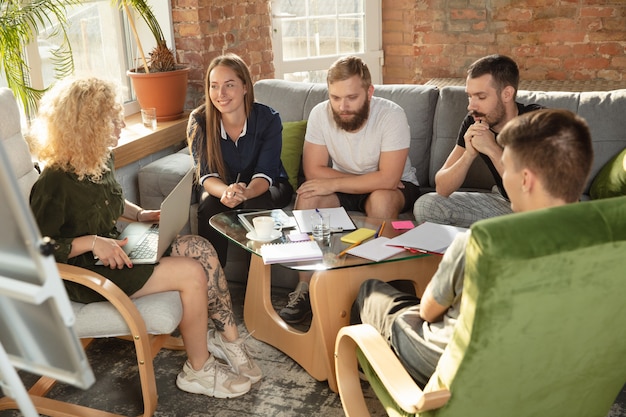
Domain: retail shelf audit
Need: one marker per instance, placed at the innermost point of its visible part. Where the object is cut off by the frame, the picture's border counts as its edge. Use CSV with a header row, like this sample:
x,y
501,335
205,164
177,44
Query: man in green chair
x,y
547,158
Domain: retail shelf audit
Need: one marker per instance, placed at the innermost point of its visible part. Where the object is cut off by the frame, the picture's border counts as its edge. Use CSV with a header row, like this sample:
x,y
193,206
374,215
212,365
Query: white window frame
x,y
372,52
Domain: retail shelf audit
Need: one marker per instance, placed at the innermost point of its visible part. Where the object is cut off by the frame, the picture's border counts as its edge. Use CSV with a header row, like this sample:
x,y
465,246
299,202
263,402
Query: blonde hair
x,y
75,126
347,67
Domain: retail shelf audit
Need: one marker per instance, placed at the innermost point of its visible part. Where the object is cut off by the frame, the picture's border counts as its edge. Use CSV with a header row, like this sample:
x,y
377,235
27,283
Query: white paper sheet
x,y
339,219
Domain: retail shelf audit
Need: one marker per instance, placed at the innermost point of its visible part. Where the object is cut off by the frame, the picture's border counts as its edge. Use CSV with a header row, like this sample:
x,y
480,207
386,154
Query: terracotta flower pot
x,y
165,91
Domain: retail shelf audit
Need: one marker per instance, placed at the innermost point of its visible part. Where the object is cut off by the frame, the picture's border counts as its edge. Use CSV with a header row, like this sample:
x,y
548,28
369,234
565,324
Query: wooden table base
x,y
332,293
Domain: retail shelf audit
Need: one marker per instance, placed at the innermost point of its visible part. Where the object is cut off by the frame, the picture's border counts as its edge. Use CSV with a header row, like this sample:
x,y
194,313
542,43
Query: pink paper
x,y
402,224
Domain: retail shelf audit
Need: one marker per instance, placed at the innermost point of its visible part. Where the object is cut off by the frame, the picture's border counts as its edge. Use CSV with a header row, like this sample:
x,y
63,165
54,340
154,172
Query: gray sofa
x,y
434,117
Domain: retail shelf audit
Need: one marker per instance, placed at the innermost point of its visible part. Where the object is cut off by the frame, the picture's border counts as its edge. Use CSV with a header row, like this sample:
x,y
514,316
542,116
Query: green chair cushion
x,y
534,336
611,180
291,154
542,305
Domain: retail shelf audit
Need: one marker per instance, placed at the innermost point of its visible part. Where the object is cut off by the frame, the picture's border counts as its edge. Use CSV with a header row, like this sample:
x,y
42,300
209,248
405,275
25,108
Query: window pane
x,y
310,34
321,28
97,46
350,35
326,37
296,8
350,6
307,76
295,39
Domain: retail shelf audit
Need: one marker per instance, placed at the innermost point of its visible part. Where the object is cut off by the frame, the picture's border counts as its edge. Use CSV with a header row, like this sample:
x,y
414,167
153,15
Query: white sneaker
x,y
235,354
213,379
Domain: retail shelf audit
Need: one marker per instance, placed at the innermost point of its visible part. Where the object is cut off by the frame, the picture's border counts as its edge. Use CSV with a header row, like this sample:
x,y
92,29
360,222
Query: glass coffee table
x,y
334,286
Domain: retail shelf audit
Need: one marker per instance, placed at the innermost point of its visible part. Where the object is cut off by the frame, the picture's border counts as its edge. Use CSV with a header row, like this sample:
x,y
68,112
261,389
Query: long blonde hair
x,y
209,149
75,126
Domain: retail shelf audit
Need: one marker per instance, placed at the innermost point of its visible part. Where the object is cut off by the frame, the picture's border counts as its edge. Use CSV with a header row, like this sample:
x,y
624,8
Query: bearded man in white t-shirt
x,y
367,140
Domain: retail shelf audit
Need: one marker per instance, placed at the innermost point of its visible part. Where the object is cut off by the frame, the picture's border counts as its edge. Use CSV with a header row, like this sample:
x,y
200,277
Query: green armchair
x,y
541,331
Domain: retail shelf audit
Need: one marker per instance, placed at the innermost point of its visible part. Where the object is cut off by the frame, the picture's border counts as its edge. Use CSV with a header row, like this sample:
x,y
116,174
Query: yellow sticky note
x,y
358,235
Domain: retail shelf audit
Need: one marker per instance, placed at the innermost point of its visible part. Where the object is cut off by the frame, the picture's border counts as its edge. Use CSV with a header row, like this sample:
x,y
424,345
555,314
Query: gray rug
x,y
286,389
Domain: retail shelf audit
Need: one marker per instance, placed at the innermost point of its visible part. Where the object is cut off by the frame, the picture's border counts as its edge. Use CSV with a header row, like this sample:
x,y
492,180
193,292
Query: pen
x,y
410,249
318,212
355,244
237,181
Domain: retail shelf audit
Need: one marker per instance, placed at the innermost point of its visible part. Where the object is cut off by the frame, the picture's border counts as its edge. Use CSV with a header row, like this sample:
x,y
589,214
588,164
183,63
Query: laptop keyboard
x,y
148,247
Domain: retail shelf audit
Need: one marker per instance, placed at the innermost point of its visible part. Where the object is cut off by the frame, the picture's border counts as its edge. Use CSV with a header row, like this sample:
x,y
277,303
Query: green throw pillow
x,y
291,155
611,180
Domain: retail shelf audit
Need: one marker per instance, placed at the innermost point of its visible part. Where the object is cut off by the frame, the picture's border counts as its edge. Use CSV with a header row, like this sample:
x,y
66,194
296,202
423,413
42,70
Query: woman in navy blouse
x,y
236,145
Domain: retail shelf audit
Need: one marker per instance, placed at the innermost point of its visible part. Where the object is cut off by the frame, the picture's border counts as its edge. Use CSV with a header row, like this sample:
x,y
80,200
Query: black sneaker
x,y
299,306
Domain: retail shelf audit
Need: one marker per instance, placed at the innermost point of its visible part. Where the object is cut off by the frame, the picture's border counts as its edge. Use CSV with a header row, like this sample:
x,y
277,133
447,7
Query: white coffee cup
x,y
264,226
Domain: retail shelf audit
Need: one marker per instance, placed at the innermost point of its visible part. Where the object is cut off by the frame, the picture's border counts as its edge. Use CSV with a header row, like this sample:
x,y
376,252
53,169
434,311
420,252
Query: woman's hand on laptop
x,y
149,216
110,252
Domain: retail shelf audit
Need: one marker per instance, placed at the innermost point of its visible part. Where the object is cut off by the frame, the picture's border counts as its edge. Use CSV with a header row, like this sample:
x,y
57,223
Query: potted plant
x,y
19,24
159,82
21,21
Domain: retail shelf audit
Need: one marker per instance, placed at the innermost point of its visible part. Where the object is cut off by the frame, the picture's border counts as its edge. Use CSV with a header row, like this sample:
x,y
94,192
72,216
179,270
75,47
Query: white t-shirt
x,y
386,129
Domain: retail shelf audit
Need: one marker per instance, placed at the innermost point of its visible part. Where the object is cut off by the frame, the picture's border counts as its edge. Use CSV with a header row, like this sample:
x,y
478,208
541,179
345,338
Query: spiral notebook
x,y
307,250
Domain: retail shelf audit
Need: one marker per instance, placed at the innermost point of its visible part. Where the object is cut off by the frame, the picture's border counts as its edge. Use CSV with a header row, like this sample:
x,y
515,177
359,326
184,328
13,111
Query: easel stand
x,y
36,317
12,386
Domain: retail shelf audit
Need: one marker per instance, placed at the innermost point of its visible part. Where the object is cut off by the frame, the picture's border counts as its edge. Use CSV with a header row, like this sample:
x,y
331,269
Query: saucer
x,y
275,235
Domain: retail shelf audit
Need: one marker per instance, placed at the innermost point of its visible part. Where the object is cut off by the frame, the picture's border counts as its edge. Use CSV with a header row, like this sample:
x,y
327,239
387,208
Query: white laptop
x,y
147,242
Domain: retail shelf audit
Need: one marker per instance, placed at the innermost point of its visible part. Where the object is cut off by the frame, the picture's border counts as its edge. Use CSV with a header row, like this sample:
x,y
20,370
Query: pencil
x,y
355,244
380,231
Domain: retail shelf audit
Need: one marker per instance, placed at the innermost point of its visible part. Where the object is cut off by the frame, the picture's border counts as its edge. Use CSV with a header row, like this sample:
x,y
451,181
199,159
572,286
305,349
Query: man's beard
x,y
495,117
358,119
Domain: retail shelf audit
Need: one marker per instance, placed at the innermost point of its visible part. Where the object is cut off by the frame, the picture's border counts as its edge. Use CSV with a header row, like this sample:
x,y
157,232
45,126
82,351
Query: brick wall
x,y
424,39
204,29
550,39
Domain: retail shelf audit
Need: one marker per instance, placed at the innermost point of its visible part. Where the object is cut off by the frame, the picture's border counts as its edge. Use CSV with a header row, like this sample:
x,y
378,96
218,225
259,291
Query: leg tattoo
x,y
220,305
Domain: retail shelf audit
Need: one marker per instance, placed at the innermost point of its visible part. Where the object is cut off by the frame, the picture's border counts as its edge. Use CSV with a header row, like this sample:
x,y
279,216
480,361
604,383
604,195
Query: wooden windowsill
x,y
138,141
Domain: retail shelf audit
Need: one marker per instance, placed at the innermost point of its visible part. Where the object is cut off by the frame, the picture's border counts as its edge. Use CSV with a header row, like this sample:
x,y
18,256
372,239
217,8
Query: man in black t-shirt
x,y
491,88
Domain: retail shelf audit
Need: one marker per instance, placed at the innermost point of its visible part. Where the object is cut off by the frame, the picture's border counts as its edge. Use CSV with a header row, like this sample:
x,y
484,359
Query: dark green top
x,y
66,208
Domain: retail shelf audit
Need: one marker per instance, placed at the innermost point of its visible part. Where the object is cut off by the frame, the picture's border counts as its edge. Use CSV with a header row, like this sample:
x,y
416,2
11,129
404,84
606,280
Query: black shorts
x,y
356,202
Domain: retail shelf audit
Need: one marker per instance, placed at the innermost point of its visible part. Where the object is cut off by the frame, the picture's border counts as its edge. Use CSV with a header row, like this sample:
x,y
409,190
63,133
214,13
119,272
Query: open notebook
x,y
376,249
427,237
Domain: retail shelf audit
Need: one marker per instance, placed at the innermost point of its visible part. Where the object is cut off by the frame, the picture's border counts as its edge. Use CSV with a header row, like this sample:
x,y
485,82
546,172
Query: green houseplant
x,y
159,82
20,22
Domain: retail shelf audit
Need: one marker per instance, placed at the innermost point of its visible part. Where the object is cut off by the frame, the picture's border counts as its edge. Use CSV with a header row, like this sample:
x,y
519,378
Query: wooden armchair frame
x,y
385,363
146,347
